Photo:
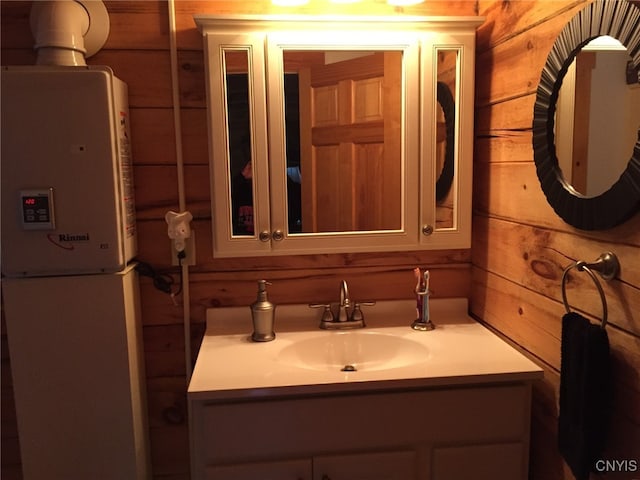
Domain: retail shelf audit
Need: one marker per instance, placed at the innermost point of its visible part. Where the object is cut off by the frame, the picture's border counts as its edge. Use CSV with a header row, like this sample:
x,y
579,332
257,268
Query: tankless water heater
x,y
67,181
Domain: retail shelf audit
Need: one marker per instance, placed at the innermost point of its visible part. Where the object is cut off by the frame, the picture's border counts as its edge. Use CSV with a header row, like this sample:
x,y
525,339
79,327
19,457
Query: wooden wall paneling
x,y
164,349
508,19
152,138
191,71
157,306
15,32
513,116
18,56
156,190
536,258
520,246
168,426
139,25
510,145
237,288
194,136
494,84
170,452
166,401
525,317
511,190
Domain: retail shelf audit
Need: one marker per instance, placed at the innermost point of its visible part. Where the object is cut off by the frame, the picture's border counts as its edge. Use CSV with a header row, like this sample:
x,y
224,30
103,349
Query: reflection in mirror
x,y
343,140
239,141
597,118
446,75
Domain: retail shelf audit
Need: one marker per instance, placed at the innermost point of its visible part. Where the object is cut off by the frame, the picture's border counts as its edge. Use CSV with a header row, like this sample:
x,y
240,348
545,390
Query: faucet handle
x,y
327,314
356,314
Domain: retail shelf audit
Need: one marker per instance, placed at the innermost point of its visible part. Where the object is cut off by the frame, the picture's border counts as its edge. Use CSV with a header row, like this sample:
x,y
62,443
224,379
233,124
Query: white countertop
x,y
459,351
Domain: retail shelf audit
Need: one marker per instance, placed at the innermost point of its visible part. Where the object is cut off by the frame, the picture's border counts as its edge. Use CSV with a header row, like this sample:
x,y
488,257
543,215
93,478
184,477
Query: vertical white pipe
x,y
59,28
186,302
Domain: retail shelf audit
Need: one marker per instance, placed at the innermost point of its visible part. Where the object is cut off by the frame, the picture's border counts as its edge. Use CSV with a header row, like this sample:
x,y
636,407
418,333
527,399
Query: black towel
x,y
584,393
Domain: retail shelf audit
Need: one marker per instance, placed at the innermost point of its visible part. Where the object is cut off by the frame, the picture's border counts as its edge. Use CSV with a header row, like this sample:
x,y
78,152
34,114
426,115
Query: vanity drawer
x,y
307,426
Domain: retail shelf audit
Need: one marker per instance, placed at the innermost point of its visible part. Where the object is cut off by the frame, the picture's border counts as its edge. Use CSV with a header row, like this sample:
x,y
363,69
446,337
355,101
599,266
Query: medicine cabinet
x,y
339,134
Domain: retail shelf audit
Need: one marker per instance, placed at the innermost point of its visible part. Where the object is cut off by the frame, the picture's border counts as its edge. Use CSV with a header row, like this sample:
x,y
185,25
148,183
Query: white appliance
x,y
70,296
78,376
67,181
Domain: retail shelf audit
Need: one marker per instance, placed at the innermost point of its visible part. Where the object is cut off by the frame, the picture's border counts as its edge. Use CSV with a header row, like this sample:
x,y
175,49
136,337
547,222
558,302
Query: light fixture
x,y
404,3
295,3
289,3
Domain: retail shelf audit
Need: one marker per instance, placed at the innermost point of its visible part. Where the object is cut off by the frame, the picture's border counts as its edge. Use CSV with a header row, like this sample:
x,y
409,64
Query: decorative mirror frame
x,y
618,19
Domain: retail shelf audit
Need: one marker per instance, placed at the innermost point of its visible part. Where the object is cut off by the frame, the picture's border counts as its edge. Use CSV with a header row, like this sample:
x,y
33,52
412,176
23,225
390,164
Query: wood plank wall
x,y
520,246
138,51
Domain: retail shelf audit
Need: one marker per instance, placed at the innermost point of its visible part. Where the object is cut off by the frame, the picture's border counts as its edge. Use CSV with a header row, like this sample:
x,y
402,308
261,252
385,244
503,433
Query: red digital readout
x,y
30,201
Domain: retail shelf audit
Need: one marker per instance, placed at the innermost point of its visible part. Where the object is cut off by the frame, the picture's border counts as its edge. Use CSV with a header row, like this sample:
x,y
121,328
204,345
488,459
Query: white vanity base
x,y
463,413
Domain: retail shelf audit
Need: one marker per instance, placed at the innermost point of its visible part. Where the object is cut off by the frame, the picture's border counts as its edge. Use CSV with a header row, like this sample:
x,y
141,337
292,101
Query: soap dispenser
x,y
263,314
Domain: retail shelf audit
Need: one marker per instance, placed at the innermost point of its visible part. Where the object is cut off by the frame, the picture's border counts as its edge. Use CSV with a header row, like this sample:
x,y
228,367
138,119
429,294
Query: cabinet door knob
x,y
427,230
264,236
277,235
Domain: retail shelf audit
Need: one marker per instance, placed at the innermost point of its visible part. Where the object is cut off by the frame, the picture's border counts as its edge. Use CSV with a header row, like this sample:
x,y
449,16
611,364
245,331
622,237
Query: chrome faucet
x,y
345,302
348,316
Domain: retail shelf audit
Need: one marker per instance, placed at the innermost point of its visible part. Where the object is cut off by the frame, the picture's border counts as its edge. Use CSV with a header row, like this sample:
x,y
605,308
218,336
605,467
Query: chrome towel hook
x,y
607,265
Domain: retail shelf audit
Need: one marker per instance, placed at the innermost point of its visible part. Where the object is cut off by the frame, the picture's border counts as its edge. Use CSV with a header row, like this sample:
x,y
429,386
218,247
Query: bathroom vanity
x,y
382,402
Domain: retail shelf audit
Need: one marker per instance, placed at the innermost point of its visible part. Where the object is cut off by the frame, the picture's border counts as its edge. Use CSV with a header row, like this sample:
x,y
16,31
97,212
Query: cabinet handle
x,y
427,230
264,236
277,235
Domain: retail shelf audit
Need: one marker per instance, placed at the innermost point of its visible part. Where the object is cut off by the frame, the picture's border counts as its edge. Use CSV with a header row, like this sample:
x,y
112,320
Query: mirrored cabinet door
x,y
343,141
447,143
238,144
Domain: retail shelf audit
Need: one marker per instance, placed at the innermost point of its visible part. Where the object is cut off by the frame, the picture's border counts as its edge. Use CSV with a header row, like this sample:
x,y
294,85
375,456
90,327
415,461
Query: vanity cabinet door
x,y
283,470
480,462
368,466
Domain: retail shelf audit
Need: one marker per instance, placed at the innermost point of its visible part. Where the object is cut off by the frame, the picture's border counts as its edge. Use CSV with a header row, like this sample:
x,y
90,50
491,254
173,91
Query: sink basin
x,y
352,351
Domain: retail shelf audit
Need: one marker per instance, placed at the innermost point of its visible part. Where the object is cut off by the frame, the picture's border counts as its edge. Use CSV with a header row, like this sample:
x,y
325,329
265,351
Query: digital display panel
x,y
37,209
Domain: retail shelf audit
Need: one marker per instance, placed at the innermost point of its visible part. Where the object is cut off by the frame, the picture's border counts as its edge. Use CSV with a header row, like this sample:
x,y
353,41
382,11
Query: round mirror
x,y
591,177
